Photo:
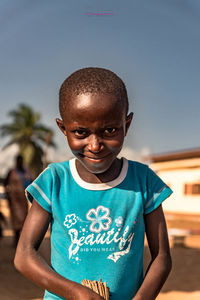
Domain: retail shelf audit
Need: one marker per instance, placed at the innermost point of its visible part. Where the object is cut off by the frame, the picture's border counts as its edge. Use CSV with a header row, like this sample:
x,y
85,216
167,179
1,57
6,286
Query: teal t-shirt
x,y
97,230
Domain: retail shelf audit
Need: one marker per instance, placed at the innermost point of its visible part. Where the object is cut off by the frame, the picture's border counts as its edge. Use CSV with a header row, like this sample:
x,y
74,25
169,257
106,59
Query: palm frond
x,y
26,130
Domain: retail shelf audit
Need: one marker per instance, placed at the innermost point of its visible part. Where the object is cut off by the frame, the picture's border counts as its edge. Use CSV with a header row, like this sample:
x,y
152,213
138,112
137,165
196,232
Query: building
x,y
181,171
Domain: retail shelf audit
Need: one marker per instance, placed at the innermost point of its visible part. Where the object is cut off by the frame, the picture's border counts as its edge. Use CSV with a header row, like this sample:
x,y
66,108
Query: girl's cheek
x,y
115,144
75,144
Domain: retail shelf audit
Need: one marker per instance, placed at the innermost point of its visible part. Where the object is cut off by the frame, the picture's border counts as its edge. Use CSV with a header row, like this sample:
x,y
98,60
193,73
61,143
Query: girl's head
x,y
92,81
93,106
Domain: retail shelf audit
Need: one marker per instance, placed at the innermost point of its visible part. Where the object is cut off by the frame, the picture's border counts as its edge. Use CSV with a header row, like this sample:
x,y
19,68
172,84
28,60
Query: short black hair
x,y
92,80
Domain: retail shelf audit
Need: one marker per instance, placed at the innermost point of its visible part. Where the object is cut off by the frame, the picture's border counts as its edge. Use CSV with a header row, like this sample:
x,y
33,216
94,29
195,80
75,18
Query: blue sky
x,y
153,45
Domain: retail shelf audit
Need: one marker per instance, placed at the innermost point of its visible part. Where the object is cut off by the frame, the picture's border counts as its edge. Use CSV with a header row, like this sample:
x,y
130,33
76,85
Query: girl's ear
x,y
128,122
61,125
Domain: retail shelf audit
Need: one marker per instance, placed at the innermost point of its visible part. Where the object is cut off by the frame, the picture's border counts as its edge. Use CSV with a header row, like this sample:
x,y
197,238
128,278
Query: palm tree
x,y
27,131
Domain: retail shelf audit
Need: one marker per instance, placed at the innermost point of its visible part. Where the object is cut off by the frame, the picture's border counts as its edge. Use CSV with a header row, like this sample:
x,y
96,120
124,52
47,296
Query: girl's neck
x,y
111,174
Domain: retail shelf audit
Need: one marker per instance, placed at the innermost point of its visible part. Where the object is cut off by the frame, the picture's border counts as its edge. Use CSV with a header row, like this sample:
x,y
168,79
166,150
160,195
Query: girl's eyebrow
x,y
89,129
80,128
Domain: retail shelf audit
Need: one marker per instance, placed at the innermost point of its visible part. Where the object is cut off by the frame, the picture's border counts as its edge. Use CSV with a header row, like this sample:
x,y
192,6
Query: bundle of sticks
x,y
98,287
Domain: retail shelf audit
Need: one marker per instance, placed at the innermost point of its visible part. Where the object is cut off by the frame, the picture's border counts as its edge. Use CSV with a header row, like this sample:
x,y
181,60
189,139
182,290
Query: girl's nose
x,y
94,144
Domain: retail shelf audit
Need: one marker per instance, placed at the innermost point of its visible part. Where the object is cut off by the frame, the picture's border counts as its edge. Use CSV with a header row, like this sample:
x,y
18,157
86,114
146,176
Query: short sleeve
x,y
41,189
156,192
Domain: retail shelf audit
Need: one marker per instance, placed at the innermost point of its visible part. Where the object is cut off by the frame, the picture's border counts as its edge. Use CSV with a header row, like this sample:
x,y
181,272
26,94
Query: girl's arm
x,y
160,265
33,266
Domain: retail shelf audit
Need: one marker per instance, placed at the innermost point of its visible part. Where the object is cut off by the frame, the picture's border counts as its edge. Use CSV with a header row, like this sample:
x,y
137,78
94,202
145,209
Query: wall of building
x,y
176,176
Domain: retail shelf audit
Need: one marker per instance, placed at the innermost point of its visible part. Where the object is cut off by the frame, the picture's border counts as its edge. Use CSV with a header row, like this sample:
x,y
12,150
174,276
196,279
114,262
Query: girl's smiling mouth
x,y
95,158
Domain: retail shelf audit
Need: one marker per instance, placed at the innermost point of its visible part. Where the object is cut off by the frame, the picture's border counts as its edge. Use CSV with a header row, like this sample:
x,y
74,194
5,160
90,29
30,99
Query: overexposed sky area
x,y
153,45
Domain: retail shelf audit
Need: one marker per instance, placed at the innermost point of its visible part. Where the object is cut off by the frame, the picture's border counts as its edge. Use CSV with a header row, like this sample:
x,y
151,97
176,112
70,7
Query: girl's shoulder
x,y
59,165
138,166
59,169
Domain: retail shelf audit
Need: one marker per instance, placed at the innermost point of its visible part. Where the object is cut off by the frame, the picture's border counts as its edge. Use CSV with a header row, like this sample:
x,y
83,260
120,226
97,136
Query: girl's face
x,y
95,126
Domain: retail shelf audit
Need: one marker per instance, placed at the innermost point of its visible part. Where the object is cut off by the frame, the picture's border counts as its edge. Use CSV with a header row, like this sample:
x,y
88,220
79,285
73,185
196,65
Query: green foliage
x,y
27,131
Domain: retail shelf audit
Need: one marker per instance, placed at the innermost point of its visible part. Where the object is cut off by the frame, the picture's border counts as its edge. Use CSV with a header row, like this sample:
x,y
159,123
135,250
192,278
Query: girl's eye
x,y
80,133
109,131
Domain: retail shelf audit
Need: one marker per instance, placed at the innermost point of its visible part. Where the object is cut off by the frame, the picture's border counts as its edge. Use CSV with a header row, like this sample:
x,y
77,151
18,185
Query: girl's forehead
x,y
94,103
104,108
89,99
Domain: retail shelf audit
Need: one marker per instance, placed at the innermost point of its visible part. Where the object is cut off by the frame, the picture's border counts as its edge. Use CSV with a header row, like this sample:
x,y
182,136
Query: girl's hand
x,y
84,293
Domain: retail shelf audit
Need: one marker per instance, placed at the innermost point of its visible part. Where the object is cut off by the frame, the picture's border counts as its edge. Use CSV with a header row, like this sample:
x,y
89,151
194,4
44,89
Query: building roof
x,y
178,155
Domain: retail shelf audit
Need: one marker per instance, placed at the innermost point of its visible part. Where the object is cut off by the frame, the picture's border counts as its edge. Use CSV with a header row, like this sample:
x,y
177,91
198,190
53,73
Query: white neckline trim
x,y
98,186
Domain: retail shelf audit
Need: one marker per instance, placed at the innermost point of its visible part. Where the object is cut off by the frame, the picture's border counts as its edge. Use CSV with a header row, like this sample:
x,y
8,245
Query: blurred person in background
x,y
2,222
16,181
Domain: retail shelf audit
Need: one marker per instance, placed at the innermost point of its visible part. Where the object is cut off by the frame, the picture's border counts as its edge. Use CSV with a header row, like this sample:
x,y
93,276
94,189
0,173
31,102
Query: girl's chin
x,y
96,166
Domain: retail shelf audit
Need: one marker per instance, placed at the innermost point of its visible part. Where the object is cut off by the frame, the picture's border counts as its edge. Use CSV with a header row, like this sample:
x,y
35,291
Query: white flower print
x,y
119,221
70,220
100,219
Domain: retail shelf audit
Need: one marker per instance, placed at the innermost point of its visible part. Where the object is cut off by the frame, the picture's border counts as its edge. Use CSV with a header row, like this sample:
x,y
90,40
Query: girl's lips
x,y
95,157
